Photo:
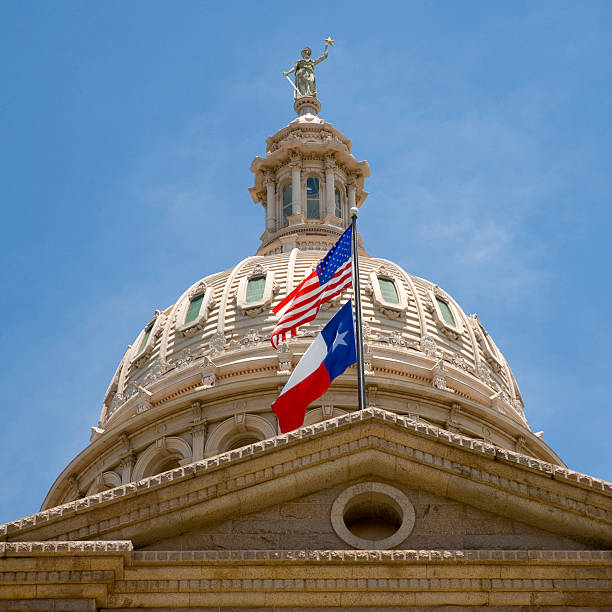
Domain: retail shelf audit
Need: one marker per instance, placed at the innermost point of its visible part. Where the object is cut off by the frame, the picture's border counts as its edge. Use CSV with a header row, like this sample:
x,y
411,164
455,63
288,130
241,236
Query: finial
x,y
354,211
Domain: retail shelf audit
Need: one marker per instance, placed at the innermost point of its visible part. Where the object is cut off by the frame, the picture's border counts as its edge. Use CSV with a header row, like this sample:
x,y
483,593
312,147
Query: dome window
x,y
388,294
146,339
287,199
195,304
255,289
313,198
388,290
446,312
194,311
338,203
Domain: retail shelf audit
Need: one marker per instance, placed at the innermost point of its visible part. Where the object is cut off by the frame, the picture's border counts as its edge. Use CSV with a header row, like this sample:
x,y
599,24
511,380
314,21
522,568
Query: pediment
x,y
309,523
518,493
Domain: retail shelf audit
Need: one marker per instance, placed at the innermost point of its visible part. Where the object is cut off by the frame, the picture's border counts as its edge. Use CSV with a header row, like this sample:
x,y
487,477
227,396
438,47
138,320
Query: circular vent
x,y
372,515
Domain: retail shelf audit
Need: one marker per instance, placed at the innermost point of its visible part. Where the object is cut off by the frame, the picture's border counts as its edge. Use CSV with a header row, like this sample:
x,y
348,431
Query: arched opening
x,y
287,199
313,198
337,203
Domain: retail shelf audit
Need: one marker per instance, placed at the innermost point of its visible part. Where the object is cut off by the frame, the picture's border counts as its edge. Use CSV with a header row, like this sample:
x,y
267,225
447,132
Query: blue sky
x,y
128,129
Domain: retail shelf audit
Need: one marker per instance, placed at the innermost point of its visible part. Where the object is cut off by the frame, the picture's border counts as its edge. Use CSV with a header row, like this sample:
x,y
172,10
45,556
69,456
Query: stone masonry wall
x,y
305,523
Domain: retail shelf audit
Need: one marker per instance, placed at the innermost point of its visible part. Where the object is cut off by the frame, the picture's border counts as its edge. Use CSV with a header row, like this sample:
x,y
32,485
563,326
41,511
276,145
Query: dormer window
x,y
195,304
446,312
255,289
388,293
338,203
388,290
145,338
313,198
194,310
287,199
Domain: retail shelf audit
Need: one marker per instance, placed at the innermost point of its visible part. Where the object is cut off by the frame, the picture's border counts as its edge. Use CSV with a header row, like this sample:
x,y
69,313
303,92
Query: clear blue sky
x,y
127,131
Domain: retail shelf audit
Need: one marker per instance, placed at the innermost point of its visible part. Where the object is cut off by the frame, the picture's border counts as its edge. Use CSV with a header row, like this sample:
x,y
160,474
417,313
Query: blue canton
x,y
339,254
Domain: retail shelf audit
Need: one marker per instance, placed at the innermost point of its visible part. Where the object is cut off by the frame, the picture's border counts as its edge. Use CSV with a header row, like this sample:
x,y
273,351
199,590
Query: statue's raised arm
x,y
324,56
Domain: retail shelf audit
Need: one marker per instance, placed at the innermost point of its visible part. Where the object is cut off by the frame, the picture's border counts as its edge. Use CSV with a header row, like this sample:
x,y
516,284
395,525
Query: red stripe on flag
x,y
290,407
306,300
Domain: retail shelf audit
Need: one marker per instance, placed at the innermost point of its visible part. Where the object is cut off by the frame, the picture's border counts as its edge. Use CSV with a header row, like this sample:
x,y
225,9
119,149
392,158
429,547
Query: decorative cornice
x,y
515,487
65,547
374,556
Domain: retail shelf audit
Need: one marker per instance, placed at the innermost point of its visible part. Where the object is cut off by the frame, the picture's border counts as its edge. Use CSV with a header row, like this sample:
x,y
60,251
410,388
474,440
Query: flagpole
x,y
358,326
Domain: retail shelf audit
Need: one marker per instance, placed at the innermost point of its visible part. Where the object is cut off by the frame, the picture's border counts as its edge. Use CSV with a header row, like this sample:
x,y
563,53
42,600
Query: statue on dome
x,y
305,84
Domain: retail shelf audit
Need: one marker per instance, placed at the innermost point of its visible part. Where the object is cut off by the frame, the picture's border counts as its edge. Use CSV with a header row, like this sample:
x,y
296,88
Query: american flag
x,y
329,279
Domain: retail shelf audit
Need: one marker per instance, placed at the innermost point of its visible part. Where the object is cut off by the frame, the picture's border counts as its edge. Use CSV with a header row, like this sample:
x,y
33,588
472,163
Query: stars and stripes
x,y
329,279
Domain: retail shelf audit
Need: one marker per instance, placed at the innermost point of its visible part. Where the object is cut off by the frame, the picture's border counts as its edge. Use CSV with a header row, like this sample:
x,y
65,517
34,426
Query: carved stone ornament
x,y
284,359
366,330
484,373
116,402
429,346
251,338
438,379
159,328
457,360
396,340
157,370
185,358
216,343
367,360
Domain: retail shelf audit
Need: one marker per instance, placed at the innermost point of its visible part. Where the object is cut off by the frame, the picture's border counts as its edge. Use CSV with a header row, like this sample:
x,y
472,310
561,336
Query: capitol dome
x,y
200,376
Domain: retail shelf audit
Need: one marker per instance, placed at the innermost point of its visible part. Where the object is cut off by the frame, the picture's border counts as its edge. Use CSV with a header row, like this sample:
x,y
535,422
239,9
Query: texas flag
x,y
332,351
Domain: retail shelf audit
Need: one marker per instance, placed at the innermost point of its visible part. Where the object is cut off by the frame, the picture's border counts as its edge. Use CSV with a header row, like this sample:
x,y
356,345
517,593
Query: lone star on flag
x,y
339,340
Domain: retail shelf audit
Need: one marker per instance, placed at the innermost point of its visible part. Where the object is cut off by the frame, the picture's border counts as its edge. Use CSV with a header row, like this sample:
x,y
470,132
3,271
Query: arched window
x,y
338,203
287,199
388,290
312,198
446,312
255,289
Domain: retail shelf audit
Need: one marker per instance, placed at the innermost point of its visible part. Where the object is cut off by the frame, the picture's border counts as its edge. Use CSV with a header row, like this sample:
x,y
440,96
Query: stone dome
x,y
200,377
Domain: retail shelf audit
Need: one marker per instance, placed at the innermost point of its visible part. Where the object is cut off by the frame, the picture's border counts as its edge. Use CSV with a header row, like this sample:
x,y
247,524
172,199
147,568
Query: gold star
x,y
329,41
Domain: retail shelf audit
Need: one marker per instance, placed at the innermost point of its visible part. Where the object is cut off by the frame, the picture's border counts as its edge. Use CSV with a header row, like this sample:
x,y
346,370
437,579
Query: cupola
x,y
307,183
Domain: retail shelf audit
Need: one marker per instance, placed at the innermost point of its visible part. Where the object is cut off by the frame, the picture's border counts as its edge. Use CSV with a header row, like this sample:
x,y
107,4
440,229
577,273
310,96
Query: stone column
x,y
198,433
269,182
351,185
296,185
126,466
330,164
